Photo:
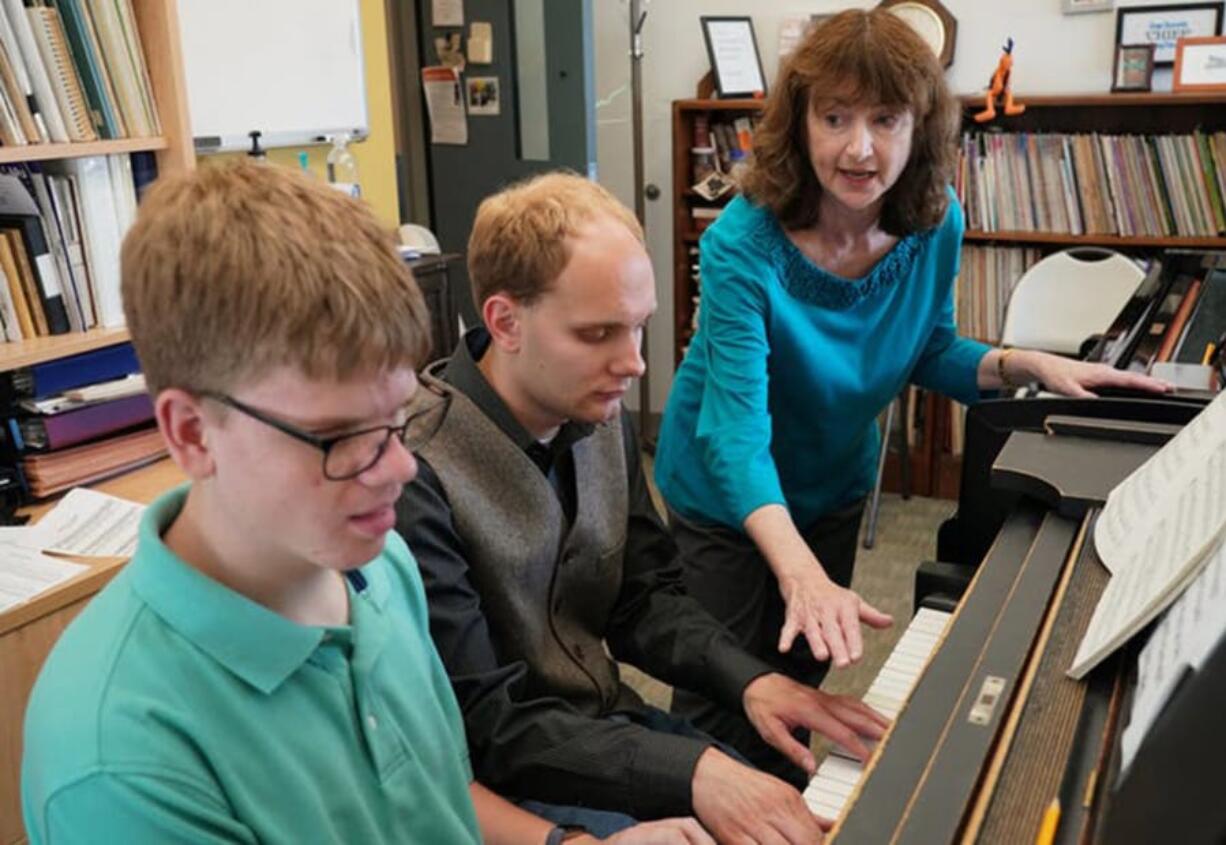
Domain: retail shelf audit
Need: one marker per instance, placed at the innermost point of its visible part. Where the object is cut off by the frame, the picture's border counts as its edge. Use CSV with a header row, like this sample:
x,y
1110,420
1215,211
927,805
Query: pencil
x,y
1210,348
1051,820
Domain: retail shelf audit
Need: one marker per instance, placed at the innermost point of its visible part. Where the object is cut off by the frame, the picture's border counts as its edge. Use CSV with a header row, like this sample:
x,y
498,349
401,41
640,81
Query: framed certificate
x,y
733,52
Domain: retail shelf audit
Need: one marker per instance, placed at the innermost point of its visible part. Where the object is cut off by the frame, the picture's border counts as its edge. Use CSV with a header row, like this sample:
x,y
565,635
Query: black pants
x,y
727,574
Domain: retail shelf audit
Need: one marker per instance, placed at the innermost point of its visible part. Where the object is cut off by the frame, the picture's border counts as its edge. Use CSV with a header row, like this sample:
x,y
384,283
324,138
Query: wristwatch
x,y
560,834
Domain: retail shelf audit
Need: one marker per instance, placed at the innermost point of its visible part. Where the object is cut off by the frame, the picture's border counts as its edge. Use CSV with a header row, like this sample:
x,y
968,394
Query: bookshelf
x,y
935,469
28,631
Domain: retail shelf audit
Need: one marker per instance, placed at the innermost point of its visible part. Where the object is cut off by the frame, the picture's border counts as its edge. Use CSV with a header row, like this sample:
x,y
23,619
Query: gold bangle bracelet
x,y
1000,370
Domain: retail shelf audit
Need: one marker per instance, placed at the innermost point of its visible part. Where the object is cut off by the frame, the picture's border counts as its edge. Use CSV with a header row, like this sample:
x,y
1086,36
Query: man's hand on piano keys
x,y
776,705
738,803
828,615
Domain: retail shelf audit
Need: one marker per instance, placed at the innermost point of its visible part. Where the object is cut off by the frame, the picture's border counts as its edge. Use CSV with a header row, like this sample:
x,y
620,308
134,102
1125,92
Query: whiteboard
x,y
290,68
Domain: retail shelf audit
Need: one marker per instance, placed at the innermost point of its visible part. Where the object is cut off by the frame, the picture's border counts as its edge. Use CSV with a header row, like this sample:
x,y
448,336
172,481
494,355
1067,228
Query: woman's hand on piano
x,y
1066,376
827,614
776,705
738,803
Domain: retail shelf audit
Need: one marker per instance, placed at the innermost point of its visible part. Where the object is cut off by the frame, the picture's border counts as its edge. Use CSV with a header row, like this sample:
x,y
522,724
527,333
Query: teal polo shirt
x,y
174,709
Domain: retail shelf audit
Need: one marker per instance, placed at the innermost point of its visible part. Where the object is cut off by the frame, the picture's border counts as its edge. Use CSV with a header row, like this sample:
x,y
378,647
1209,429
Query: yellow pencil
x,y
1209,350
1051,820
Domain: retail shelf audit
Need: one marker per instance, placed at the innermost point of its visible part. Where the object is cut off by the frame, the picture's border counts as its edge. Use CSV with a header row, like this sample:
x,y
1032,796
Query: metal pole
x,y
637,16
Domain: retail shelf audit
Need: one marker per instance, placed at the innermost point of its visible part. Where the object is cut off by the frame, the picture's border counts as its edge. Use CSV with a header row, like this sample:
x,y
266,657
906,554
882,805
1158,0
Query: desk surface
x,y
142,485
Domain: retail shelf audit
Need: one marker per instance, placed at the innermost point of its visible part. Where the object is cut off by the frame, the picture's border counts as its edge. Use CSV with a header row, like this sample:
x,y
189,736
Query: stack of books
x,y
72,70
61,225
76,420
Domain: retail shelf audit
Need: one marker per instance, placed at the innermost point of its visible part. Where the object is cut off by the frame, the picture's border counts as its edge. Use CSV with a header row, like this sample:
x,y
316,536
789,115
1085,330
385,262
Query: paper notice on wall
x,y
445,103
447,12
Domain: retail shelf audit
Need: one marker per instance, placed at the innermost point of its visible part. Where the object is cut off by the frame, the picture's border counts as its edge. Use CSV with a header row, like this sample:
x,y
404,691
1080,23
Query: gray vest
x,y
546,591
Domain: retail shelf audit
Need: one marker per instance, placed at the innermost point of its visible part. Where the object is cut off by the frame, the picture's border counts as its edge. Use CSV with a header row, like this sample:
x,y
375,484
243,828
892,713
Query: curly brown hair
x,y
870,57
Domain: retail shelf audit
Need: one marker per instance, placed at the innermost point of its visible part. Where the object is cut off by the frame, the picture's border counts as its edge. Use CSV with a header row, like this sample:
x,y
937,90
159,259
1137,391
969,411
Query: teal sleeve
x,y
136,807
734,423
949,364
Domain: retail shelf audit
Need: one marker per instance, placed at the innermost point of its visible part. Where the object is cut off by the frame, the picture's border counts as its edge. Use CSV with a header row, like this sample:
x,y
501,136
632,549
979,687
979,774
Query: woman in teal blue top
x,y
825,289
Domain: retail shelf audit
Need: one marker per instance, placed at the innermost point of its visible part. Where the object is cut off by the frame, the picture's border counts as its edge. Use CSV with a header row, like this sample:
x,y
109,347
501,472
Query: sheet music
x,y
25,571
1142,498
86,522
1156,531
1181,642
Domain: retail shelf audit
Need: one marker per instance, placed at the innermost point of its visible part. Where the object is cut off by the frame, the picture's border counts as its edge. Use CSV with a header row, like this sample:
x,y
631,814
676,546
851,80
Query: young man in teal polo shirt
x,y
262,669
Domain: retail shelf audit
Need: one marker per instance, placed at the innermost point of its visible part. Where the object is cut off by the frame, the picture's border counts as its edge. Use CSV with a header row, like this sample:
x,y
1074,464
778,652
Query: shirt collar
x,y
461,372
256,644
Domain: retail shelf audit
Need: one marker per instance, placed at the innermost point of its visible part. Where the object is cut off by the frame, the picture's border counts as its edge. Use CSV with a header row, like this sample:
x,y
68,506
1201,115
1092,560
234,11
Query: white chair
x,y
1068,296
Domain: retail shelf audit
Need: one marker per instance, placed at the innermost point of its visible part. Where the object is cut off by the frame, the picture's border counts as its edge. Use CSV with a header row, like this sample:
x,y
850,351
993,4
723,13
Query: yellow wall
x,y
377,154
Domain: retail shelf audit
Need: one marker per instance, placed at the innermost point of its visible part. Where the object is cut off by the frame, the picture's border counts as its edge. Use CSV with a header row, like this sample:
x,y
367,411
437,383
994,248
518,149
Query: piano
x,y
988,728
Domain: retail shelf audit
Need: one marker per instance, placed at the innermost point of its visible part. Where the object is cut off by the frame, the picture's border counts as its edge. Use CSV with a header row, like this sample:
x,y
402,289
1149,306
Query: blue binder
x,y
42,380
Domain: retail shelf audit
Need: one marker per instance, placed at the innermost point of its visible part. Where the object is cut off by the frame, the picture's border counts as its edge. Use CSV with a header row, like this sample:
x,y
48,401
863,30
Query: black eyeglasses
x,y
349,455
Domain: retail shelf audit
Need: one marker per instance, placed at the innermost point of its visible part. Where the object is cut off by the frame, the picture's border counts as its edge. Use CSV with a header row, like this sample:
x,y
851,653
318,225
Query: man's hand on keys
x,y
737,803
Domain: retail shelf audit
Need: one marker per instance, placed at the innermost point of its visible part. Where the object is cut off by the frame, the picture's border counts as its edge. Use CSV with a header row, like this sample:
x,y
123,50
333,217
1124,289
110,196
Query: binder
x,y
18,210
50,377
57,431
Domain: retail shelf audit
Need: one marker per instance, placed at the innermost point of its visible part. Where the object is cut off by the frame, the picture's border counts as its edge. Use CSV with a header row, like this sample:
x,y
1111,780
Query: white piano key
x,y
839,774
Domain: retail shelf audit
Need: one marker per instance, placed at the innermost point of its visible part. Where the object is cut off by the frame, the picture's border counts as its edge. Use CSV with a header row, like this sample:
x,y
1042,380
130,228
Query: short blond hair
x,y
518,243
231,271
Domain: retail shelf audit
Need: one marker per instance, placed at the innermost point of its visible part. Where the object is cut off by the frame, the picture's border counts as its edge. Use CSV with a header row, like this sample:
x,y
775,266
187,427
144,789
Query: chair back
x,y
1068,296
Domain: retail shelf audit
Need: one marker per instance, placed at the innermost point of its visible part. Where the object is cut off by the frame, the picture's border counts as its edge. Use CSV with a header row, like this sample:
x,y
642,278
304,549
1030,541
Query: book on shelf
x,y
19,213
73,71
86,53
28,54
62,73
1168,185
61,262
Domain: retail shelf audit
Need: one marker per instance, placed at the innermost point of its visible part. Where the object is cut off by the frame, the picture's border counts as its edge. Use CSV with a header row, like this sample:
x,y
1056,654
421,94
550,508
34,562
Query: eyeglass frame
x,y
326,444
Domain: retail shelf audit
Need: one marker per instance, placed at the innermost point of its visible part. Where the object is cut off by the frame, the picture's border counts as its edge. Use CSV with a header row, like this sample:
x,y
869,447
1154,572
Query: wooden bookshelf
x,y
48,152
27,632
39,349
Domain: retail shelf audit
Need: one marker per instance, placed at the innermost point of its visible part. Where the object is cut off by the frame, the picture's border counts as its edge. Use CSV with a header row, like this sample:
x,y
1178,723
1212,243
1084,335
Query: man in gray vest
x,y
545,561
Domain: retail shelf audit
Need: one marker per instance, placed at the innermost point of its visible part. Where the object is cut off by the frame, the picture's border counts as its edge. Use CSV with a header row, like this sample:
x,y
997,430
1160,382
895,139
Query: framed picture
x,y
733,52
1200,64
482,95
1134,67
1163,25
1076,7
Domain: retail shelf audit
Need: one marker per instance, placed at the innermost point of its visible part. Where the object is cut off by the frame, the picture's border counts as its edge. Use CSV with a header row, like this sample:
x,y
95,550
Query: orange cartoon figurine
x,y
1000,83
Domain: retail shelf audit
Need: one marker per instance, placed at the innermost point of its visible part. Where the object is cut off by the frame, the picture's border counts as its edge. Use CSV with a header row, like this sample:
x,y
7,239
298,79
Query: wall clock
x,y
932,21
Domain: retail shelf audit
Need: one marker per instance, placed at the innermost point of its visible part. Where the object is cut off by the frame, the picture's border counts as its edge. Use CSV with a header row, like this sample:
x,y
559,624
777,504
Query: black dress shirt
x,y
544,748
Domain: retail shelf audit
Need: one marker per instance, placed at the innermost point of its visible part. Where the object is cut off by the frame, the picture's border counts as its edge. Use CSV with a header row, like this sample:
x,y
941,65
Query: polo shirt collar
x,y
461,372
256,644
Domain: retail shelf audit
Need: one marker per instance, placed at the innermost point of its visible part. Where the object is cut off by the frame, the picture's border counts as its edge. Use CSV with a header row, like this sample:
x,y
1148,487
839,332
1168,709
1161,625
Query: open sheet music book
x,y
1156,532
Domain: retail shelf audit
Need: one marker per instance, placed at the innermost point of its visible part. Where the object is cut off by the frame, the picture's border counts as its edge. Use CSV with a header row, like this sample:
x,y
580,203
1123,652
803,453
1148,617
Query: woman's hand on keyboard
x,y
776,705
827,614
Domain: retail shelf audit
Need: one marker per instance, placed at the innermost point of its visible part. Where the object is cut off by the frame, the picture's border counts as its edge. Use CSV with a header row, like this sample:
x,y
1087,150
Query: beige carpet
x,y
906,535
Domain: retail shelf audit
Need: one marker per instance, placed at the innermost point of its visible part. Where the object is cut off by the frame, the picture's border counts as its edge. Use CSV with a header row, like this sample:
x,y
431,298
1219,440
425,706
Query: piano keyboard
x,y
839,773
